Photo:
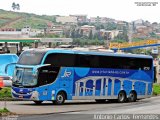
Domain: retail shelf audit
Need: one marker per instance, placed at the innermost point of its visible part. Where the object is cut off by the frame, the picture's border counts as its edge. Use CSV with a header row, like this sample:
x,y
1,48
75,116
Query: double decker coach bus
x,y
59,75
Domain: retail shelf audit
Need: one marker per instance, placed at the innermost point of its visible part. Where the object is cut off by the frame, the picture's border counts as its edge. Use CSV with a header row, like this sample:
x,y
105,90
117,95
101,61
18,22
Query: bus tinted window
x,y
31,58
58,60
124,62
97,61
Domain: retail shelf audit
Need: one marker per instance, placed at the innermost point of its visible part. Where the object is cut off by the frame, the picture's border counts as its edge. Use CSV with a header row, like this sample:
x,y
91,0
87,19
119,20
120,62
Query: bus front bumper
x,y
25,94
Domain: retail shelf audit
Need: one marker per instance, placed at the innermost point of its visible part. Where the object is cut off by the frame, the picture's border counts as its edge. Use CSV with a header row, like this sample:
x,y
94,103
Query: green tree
x,y
110,26
13,5
18,7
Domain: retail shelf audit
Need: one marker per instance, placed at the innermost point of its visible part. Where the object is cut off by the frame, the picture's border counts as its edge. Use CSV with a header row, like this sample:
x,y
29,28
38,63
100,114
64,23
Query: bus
x,y
6,74
58,75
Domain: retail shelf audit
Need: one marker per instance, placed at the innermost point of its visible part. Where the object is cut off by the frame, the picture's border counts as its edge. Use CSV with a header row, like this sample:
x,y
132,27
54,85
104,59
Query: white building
x,y
138,22
12,34
80,18
67,19
111,33
101,19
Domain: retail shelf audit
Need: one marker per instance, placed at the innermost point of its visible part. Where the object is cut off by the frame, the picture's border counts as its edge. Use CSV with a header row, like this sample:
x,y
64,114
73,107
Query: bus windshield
x,y
31,57
24,77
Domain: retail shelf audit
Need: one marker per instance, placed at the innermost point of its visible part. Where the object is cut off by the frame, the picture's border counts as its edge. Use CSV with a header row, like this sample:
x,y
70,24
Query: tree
x,y
110,26
15,6
18,7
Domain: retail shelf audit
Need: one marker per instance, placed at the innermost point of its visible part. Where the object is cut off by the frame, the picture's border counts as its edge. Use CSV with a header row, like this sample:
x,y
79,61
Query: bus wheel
x,y
38,102
132,96
100,100
122,97
60,98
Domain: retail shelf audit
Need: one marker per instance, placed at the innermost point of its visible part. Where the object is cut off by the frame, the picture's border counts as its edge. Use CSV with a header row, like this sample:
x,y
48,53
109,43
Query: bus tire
x,y
60,98
122,97
38,102
132,96
100,100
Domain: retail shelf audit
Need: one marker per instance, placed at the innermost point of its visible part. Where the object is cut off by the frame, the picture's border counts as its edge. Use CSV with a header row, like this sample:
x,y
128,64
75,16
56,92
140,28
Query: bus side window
x,y
60,60
94,61
47,75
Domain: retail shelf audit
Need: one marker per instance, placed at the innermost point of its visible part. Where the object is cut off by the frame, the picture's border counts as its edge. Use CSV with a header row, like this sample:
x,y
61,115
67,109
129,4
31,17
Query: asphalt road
x,y
80,110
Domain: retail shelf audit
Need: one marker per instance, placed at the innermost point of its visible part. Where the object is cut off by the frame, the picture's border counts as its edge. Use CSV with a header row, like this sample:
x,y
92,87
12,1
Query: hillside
x,y
10,19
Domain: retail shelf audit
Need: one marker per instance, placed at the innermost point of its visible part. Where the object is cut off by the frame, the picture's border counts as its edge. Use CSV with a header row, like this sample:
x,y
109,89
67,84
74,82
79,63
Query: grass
x,y
8,14
33,20
156,89
4,110
5,93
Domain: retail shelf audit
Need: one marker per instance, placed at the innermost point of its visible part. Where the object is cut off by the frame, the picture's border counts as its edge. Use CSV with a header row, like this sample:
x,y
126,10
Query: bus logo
x,y
66,74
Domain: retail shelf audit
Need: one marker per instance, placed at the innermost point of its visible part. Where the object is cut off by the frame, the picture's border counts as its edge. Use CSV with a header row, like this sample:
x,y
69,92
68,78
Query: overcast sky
x,y
118,9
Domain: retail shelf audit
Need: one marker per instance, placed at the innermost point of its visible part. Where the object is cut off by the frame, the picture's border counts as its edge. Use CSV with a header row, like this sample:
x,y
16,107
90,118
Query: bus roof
x,y
92,53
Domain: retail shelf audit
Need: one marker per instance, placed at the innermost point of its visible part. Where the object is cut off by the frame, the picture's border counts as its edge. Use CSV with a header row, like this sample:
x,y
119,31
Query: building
x,y
35,32
12,34
156,27
121,25
25,30
109,35
80,18
138,22
86,29
67,19
101,19
142,32
7,29
55,29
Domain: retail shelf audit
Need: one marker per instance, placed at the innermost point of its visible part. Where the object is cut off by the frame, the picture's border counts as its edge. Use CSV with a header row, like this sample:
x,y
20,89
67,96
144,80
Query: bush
x,y
5,93
156,89
4,110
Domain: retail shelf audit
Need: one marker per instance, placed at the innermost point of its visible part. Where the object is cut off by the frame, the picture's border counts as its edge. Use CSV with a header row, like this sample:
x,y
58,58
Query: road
x,y
81,110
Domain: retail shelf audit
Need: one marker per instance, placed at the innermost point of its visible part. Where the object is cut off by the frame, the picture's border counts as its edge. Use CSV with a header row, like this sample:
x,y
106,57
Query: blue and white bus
x,y
6,74
59,75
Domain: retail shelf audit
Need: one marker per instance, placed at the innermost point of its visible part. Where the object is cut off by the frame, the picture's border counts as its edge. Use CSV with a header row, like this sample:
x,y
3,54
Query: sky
x,y
125,10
